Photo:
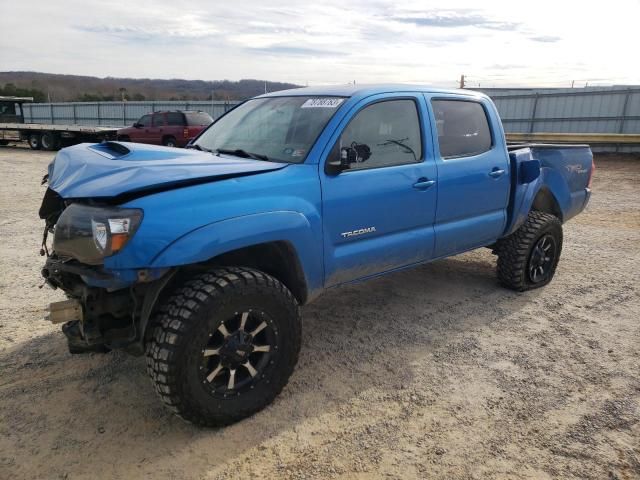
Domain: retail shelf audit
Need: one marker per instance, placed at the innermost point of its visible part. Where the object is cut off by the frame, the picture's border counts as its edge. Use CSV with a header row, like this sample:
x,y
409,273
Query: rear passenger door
x,y
176,127
473,174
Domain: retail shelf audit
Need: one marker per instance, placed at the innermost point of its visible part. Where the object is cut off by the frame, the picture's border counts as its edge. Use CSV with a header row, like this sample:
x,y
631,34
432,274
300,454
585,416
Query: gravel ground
x,y
435,372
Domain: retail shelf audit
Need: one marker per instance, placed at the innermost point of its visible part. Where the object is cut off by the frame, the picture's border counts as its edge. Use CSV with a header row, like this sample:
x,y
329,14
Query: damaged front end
x,y
105,309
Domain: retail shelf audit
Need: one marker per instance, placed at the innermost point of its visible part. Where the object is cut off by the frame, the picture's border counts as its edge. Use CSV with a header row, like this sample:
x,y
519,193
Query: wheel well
x,y
166,137
278,259
547,203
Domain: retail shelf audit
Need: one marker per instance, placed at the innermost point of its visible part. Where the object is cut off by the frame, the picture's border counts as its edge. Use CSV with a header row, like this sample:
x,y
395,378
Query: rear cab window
x,y
463,128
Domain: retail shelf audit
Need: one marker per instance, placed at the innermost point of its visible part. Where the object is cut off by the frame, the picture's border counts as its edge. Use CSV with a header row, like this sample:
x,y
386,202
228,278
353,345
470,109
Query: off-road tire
x,y
515,252
185,321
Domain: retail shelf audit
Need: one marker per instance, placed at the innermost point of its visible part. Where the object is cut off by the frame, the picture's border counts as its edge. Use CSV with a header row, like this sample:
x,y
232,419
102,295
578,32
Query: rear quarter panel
x,y
564,173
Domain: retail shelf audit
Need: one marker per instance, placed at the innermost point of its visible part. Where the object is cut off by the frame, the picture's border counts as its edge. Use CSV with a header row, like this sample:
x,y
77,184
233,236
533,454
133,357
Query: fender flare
x,y
550,182
215,239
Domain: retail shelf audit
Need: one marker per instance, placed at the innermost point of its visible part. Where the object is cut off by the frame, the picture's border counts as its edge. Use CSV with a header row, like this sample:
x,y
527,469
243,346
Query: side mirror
x,y
529,171
356,153
137,125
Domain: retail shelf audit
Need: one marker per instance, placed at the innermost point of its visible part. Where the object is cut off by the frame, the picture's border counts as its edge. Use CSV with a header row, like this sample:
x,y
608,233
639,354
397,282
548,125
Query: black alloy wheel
x,y
543,256
239,353
223,345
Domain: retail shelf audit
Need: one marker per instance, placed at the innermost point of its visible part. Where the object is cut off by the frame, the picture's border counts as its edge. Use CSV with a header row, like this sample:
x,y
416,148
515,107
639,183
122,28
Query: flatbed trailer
x,y
44,136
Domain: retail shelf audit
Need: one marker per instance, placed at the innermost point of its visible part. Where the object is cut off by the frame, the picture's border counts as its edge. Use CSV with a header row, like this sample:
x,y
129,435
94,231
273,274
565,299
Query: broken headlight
x,y
89,234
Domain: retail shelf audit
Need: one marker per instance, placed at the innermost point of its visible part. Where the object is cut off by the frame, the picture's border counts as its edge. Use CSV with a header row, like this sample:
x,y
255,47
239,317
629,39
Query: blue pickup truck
x,y
200,258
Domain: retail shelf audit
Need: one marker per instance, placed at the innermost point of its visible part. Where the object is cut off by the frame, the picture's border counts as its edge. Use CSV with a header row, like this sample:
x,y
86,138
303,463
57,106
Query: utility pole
x,y
462,82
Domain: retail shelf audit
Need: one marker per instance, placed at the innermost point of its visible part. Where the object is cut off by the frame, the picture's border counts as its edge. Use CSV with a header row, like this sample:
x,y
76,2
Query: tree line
x,y
44,87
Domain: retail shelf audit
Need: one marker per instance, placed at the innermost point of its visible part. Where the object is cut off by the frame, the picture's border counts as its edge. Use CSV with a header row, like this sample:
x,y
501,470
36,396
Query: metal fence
x,y
570,110
111,114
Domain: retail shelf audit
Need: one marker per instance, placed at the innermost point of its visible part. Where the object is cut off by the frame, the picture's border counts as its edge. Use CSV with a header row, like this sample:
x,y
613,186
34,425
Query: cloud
x,y
290,51
183,27
456,19
545,38
332,41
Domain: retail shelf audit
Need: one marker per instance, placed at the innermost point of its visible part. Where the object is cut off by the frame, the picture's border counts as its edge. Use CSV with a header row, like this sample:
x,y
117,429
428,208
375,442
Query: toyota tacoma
x,y
201,258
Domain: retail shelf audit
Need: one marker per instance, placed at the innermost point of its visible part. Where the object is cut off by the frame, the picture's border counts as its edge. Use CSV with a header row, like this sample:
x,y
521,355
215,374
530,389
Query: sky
x,y
493,43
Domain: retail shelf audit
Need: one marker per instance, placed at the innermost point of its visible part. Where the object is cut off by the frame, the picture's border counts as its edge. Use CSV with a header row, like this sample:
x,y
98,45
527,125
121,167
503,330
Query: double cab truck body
x,y
200,258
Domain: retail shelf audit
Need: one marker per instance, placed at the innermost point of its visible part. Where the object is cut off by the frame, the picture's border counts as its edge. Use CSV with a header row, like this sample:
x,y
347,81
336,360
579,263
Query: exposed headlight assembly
x,y
89,234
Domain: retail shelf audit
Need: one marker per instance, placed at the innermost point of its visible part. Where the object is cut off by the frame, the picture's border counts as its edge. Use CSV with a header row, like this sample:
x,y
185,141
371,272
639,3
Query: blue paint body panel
x,y
92,171
198,206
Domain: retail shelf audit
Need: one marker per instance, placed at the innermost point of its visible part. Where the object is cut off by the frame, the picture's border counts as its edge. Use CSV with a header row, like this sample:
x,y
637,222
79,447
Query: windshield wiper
x,y
238,152
401,144
195,146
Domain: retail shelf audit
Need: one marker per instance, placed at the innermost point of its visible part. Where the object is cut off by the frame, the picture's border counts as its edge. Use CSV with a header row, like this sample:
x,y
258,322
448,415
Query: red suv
x,y
173,129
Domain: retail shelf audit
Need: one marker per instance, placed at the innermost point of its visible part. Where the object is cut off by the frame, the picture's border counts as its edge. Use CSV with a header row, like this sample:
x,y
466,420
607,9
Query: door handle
x,y
423,184
496,172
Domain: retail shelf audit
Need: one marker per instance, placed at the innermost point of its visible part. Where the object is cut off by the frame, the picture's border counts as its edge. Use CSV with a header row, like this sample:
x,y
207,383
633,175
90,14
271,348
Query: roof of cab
x,y
351,90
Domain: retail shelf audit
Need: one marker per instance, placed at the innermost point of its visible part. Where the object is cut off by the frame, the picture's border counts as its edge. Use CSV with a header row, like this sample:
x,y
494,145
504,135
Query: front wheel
x,y
528,257
224,345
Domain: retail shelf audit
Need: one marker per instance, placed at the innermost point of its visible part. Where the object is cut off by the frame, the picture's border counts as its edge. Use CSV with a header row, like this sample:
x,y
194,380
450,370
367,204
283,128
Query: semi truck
x,y
13,129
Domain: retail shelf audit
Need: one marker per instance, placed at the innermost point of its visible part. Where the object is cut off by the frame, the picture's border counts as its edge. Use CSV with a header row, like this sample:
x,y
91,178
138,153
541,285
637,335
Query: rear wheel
x,y
224,345
528,258
169,141
34,141
4,143
50,141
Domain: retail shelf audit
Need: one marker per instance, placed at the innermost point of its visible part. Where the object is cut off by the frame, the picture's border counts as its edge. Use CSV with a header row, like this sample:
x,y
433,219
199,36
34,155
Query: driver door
x,y
140,134
378,215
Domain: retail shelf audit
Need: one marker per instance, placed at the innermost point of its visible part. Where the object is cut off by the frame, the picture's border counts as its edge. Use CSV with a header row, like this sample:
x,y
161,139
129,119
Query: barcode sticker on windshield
x,y
322,103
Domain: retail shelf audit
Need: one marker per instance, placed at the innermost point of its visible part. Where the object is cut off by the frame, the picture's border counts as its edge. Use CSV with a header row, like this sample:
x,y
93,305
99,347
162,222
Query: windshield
x,y
281,128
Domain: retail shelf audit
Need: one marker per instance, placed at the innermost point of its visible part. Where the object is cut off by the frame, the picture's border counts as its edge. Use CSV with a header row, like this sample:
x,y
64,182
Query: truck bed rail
x,y
582,138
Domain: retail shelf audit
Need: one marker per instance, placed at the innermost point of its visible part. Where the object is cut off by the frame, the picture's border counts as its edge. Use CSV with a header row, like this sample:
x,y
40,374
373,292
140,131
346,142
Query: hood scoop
x,y
111,150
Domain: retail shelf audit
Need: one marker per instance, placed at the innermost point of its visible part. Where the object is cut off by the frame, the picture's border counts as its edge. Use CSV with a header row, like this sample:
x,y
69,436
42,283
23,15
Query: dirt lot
x,y
435,372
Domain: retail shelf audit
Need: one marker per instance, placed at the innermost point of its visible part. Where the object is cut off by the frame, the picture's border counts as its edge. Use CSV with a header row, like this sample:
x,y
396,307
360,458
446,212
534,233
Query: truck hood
x,y
110,169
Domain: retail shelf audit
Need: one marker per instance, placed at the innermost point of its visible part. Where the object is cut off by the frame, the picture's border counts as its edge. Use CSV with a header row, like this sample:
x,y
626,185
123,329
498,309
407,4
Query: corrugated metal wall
x,y
111,114
570,110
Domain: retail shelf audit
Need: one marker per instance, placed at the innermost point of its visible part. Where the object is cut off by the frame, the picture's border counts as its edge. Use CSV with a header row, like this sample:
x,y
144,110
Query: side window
x,y
463,128
158,119
389,133
145,120
175,119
